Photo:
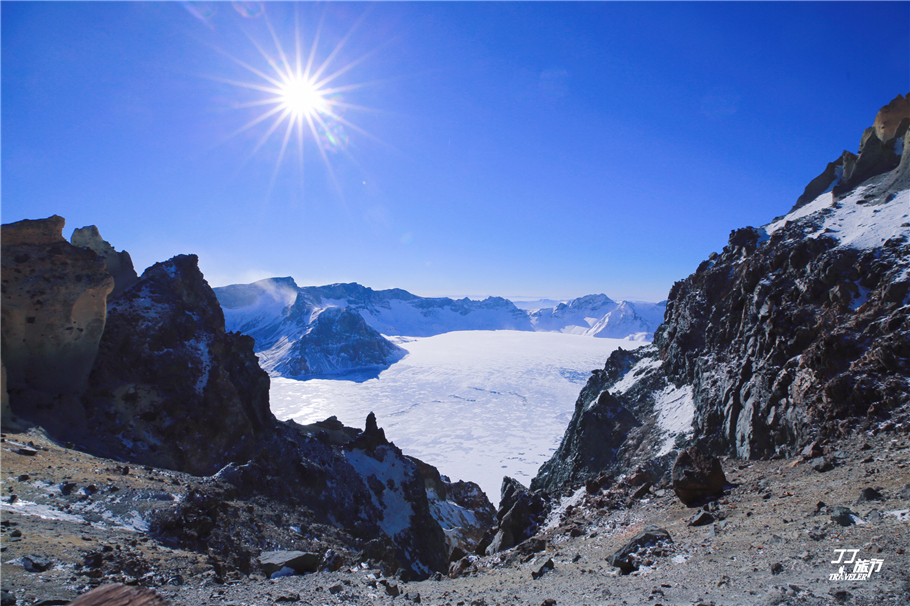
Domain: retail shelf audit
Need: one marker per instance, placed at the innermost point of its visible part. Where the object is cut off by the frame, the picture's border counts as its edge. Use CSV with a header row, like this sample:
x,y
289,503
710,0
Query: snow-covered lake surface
x,y
476,404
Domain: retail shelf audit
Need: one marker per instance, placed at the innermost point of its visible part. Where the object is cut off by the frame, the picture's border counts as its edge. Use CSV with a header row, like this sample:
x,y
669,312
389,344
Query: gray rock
x,y
843,516
547,567
701,518
624,558
36,563
821,464
870,494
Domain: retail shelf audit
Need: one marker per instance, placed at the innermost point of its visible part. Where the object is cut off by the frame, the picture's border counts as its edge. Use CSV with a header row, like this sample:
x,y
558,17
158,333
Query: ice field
x,y
476,404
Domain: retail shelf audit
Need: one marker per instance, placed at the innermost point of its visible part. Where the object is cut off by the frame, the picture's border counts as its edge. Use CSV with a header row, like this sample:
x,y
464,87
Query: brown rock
x,y
118,264
889,118
119,595
697,476
53,315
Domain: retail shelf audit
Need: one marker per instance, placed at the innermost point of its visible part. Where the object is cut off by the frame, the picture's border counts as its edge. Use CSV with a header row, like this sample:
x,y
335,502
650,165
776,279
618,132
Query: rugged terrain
x,y
88,521
159,382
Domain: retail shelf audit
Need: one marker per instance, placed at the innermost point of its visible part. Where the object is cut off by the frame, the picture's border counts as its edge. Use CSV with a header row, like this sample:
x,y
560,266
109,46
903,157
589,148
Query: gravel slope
x,y
774,544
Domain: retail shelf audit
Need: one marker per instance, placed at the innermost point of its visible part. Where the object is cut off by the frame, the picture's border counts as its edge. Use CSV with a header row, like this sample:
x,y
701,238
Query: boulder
x,y
626,559
697,476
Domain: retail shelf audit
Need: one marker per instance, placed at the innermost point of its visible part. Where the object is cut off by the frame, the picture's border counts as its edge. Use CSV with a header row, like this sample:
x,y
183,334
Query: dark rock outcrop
x,y
54,313
697,476
598,428
177,389
520,514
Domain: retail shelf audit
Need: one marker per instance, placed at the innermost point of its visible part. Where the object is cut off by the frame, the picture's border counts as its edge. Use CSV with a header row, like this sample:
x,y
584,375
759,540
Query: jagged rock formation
x,y
797,330
118,264
54,312
176,389
520,515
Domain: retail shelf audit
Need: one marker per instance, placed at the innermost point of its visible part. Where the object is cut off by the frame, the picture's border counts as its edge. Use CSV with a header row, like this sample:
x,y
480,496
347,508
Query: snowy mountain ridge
x,y
302,331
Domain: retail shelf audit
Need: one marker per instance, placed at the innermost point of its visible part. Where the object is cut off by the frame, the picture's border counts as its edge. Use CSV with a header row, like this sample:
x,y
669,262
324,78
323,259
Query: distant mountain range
x,y
312,330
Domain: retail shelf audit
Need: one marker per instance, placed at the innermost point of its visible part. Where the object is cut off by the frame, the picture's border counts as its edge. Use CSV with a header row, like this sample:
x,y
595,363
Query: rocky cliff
x,y
118,264
797,330
54,311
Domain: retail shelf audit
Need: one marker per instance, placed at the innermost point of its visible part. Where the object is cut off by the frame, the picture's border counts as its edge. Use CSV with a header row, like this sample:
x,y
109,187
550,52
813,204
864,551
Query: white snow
x,y
397,511
44,512
851,221
600,316
478,405
642,367
554,518
675,408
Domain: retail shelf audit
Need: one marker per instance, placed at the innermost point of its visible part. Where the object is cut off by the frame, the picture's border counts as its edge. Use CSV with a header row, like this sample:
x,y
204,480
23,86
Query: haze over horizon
x,y
449,149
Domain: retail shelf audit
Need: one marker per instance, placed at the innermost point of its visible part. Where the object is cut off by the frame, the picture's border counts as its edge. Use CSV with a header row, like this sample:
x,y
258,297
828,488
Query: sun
x,y
301,98
298,95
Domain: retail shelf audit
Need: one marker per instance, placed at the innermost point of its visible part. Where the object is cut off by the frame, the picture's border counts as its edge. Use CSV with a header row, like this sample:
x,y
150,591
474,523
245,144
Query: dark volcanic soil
x,y
772,542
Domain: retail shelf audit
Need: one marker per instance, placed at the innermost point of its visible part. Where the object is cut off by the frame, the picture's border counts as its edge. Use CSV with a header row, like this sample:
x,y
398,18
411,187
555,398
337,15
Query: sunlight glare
x,y
301,98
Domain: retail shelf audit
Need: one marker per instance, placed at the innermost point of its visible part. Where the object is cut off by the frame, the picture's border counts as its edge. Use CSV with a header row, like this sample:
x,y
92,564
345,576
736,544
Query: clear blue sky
x,y
514,149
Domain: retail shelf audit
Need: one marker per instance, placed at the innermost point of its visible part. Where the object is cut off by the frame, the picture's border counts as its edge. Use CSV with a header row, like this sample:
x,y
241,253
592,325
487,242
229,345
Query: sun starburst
x,y
298,96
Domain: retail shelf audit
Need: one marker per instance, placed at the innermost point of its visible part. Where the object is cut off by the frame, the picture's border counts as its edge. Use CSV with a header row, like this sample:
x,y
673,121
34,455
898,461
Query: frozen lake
x,y
476,404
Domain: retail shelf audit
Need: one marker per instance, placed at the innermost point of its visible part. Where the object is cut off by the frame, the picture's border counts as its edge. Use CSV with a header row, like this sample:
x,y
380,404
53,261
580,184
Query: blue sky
x,y
513,149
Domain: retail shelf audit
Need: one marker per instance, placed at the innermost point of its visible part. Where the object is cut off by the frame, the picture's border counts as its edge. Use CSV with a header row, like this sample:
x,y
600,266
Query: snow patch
x,y
675,408
554,518
852,221
397,511
642,368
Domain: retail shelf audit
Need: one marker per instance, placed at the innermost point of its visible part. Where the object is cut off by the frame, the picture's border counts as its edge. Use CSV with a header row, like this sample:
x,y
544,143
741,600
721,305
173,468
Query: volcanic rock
x,y
178,390
870,494
697,476
519,516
